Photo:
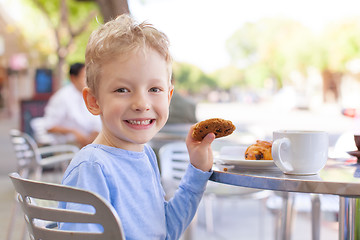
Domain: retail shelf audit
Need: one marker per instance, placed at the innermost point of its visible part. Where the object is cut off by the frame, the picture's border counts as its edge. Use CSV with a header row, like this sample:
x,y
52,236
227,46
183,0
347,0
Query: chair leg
x,y
315,216
38,173
209,219
12,221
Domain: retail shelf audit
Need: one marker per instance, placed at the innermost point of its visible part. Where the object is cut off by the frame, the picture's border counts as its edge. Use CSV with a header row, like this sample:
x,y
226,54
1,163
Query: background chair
x,y
29,191
40,133
174,160
32,160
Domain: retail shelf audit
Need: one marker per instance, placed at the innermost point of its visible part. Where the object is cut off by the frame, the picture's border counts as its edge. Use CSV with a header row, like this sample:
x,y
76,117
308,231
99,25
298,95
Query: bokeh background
x,y
265,65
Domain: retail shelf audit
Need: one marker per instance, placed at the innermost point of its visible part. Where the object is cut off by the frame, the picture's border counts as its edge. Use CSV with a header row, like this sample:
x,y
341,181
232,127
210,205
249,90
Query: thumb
x,y
208,139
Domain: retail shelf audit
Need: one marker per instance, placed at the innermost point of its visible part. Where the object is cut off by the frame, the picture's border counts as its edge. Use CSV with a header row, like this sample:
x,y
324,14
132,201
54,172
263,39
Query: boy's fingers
x,y
208,139
189,136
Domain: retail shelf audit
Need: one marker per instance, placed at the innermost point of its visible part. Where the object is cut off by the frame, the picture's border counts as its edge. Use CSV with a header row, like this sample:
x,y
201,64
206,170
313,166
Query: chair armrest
x,y
58,149
58,154
59,158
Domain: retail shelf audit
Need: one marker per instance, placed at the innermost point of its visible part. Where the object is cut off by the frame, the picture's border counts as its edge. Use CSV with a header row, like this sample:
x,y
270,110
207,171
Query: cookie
x,y
218,126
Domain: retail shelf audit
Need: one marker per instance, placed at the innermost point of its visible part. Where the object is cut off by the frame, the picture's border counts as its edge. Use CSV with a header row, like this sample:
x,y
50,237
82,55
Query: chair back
x,y
29,191
32,159
26,152
174,160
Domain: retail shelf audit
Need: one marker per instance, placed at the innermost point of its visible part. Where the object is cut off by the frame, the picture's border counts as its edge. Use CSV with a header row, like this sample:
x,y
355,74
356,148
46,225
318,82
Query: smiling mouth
x,y
138,122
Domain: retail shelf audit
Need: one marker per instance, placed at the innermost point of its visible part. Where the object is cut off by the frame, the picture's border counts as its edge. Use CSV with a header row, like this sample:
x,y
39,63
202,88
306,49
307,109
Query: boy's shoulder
x,y
92,153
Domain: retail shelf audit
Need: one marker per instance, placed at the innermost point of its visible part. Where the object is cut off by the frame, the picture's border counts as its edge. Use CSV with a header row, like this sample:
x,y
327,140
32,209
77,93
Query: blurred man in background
x,y
66,115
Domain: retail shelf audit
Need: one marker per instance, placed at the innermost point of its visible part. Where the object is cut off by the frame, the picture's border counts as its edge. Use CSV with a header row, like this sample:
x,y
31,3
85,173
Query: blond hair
x,y
119,37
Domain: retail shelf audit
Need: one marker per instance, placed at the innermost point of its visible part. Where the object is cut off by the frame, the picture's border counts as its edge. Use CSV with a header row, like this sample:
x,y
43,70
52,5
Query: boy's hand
x,y
200,152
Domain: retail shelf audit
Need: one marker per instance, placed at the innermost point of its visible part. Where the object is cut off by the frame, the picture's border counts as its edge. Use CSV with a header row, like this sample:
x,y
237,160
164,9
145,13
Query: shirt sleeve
x,y
82,176
181,209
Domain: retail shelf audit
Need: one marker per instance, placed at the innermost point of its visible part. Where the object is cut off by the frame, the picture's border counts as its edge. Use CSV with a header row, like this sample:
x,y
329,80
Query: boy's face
x,y
133,98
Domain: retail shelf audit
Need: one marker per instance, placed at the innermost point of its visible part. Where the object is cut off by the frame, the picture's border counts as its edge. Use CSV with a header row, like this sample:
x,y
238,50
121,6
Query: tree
x,y
72,21
67,24
339,44
270,49
112,8
191,79
229,77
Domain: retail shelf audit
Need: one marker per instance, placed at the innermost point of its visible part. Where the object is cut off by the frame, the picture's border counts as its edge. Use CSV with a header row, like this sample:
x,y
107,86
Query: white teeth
x,y
145,122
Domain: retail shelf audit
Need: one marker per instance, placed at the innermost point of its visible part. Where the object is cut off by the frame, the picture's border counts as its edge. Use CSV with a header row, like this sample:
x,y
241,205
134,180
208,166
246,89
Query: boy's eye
x,y
155,89
121,90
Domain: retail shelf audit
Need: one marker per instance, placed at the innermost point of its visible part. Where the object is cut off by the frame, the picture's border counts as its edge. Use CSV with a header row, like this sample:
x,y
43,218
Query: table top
x,y
338,177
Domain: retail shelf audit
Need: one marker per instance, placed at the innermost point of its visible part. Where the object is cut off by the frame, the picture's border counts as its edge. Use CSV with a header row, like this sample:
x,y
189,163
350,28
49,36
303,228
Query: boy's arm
x,y
181,209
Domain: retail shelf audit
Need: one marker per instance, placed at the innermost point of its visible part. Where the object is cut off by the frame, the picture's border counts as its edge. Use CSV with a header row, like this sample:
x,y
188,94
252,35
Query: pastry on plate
x,y
218,126
261,150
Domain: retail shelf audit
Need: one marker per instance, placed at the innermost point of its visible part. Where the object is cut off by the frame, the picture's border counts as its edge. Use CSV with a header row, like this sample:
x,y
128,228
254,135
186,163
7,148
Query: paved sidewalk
x,y
7,156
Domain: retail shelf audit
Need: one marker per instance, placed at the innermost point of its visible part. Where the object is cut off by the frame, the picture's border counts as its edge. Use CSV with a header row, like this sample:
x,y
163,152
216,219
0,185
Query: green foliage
x,y
78,11
270,48
77,53
229,77
274,48
341,41
266,49
191,78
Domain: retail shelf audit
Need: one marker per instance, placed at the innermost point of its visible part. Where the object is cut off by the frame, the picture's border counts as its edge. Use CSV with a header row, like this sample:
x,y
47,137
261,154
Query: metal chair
x,y
40,133
174,160
30,190
33,159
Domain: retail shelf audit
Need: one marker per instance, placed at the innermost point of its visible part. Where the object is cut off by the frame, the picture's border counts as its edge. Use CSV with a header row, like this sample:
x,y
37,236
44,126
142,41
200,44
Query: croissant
x,y
261,150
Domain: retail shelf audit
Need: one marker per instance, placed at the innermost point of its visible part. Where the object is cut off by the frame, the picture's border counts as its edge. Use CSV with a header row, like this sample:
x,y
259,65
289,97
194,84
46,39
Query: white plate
x,y
233,160
235,155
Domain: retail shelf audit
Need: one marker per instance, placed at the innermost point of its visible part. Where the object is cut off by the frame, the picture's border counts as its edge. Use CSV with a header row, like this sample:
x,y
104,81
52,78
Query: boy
x,y
128,68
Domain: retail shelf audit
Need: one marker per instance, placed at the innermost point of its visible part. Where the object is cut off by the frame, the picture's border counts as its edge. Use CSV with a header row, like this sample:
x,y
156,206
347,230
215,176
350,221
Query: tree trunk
x,y
331,85
60,74
110,9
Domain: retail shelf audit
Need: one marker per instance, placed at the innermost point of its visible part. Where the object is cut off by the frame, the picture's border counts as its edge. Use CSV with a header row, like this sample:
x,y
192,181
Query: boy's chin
x,y
143,140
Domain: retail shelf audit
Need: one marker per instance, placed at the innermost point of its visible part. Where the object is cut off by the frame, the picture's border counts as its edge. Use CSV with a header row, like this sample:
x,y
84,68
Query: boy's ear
x,y
91,101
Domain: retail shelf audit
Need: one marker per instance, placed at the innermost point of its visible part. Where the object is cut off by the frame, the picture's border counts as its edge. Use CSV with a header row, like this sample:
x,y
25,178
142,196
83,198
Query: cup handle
x,y
275,152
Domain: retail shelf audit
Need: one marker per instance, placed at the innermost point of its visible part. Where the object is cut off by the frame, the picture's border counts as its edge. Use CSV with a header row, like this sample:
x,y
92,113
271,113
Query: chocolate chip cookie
x,y
218,126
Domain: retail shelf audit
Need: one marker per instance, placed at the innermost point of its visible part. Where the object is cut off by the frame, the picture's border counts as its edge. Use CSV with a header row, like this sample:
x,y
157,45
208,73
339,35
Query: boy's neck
x,y
104,140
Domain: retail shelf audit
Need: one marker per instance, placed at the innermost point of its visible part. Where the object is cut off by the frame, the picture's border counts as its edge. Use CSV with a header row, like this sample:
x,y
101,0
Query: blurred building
x,y
14,70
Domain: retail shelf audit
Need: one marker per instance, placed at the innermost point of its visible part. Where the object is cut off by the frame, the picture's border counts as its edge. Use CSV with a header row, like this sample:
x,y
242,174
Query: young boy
x,y
128,69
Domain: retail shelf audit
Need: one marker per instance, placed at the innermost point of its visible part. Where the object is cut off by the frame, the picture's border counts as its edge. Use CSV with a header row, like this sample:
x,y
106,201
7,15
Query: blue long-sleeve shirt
x,y
130,181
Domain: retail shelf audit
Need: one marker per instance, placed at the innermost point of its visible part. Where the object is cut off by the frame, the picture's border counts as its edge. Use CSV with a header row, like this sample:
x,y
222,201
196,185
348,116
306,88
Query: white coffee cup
x,y
300,152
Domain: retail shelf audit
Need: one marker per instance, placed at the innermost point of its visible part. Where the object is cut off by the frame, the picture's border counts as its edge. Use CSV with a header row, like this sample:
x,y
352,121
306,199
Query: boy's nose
x,y
141,105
